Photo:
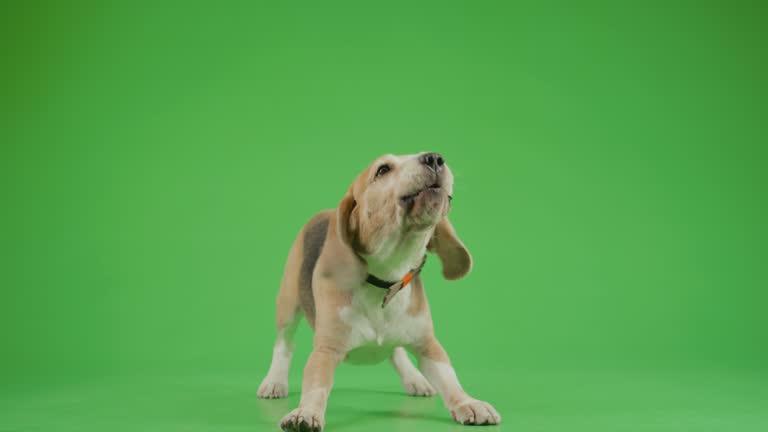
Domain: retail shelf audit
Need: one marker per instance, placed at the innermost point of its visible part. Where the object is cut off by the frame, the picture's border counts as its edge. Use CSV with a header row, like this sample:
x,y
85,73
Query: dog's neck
x,y
399,255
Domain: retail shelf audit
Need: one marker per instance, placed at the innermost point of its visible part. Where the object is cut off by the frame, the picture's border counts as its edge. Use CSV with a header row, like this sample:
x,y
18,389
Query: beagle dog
x,y
353,273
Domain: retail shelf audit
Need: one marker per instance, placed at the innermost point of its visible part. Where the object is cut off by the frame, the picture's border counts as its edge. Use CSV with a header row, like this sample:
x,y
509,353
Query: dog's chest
x,y
376,331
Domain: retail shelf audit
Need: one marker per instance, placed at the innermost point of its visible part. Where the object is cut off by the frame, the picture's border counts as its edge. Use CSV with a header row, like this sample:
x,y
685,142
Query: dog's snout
x,y
434,161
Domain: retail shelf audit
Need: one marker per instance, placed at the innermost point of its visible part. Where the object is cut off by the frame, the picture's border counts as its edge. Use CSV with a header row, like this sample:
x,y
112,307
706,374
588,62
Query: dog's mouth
x,y
408,200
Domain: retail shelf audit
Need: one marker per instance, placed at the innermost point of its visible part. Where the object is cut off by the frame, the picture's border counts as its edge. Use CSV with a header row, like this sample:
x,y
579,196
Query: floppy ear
x,y
346,221
457,261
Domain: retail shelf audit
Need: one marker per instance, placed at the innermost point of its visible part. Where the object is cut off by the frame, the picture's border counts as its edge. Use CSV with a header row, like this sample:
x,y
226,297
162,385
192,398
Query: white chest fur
x,y
376,331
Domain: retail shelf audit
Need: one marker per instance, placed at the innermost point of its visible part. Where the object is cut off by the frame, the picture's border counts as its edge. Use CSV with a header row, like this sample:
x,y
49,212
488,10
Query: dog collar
x,y
394,287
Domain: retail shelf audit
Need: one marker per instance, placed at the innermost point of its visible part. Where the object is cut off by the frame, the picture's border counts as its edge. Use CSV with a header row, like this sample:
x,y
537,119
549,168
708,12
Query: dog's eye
x,y
383,170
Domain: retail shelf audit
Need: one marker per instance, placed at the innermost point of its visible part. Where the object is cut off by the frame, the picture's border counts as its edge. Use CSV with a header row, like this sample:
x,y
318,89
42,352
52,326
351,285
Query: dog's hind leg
x,y
289,313
413,381
275,384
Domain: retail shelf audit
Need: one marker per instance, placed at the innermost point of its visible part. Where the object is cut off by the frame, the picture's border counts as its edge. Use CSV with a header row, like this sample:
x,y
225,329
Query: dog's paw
x,y
475,412
273,389
418,386
302,420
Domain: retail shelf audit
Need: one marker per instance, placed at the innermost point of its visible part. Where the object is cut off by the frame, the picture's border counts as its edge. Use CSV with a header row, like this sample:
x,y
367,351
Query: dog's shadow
x,y
382,406
353,418
366,391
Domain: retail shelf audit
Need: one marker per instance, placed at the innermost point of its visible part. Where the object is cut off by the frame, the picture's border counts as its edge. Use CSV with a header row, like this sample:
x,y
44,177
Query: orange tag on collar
x,y
396,287
407,278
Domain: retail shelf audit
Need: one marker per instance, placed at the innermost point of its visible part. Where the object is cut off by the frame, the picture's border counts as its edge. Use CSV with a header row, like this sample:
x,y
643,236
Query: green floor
x,y
368,398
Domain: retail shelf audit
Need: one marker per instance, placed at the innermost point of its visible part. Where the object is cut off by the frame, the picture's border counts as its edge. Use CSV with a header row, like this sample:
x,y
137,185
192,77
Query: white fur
x,y
413,381
275,384
464,408
376,331
443,377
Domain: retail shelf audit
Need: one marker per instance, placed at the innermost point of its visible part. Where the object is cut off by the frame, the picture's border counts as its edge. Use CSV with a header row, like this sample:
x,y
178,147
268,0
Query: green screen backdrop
x,y
157,160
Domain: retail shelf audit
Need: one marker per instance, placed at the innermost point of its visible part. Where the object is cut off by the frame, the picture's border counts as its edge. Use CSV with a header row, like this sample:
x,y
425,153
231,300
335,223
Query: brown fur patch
x,y
418,299
314,237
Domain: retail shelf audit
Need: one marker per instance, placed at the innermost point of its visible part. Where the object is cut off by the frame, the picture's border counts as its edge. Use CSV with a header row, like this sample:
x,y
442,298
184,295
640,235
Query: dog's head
x,y
400,196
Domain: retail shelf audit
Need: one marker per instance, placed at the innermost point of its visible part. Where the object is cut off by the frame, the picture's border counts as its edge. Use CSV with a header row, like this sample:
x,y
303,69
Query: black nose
x,y
433,160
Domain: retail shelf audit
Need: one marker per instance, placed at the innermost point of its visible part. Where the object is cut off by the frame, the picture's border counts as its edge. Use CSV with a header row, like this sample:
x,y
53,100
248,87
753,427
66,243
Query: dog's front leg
x,y
318,380
434,363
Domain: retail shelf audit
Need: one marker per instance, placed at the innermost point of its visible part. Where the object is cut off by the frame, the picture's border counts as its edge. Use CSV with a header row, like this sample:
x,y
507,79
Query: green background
x,y
157,161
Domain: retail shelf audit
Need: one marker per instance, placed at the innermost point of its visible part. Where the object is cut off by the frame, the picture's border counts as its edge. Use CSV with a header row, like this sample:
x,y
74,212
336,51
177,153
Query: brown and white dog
x,y
394,212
